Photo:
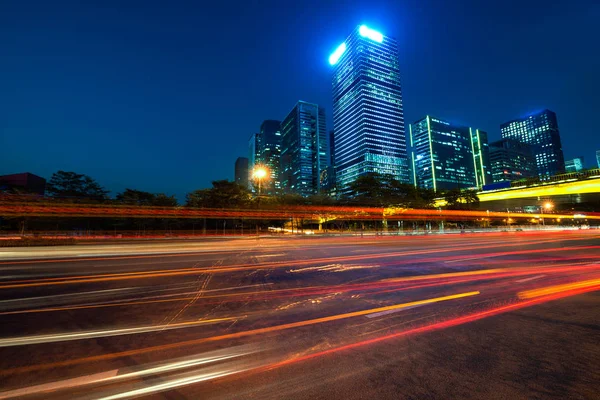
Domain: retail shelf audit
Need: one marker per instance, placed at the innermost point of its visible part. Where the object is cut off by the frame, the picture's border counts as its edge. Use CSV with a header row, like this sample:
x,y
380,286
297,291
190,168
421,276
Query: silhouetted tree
x,y
141,198
73,185
461,200
223,194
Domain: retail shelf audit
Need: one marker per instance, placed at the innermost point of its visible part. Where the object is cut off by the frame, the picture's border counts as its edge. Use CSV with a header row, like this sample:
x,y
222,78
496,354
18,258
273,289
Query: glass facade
x,y
368,117
304,150
254,156
446,156
481,154
540,130
269,152
241,171
598,158
574,165
511,160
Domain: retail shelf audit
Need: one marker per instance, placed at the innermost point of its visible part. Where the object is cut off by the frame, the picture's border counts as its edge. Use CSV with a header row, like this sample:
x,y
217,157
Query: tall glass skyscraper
x,y
446,156
270,152
304,150
540,130
368,116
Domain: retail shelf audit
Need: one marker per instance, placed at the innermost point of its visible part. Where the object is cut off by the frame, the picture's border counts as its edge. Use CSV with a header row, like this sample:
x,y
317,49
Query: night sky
x,y
162,96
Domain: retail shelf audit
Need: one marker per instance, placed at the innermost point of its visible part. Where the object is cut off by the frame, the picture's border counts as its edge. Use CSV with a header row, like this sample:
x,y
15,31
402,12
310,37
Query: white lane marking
x,y
530,279
65,384
379,314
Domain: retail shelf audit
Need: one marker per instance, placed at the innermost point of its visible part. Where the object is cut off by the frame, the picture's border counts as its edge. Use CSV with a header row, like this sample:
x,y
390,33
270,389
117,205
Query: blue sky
x,y
163,96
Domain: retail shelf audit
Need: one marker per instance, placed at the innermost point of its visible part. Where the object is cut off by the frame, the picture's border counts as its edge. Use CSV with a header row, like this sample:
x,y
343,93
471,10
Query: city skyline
x,y
86,143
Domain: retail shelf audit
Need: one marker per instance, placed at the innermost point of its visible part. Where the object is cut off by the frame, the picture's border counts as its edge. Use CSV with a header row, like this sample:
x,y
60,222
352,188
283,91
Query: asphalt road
x,y
482,316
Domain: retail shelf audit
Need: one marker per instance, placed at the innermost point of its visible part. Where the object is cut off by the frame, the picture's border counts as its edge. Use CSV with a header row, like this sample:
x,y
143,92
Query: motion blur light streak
x,y
593,284
436,326
62,337
290,309
260,330
195,271
142,371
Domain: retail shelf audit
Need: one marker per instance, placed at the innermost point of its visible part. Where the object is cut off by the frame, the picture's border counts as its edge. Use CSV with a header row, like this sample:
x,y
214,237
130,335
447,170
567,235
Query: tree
x,y
140,198
135,197
368,189
71,184
223,194
162,200
461,200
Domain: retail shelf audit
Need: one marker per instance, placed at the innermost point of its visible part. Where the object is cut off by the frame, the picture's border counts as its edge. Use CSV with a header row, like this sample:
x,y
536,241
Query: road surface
x,y
512,315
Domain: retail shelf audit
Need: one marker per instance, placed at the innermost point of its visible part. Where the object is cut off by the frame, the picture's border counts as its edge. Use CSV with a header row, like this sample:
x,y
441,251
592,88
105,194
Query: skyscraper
x,y
540,130
368,115
446,156
270,151
598,158
304,150
574,165
241,171
481,154
511,160
254,156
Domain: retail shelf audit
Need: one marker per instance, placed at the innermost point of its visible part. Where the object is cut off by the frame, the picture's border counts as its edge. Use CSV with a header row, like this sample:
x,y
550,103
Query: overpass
x,y
572,188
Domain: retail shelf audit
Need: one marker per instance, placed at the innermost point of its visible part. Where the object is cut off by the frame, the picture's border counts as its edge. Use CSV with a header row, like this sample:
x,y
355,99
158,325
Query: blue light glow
x,y
335,56
370,33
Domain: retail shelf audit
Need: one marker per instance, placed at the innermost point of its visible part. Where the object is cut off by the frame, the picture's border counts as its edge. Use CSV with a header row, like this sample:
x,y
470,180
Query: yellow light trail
x,y
530,294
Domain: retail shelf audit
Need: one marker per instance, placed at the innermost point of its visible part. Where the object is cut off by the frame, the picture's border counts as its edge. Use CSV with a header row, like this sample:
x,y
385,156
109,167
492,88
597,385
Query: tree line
x,y
371,190
368,190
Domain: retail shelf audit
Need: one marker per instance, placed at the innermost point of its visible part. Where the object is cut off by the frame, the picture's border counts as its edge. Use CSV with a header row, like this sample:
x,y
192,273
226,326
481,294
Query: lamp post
x,y
547,207
259,174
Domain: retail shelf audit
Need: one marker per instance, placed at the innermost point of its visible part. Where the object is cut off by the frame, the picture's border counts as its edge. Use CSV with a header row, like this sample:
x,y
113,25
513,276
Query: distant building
x,y
304,150
330,184
368,116
540,130
23,183
574,165
254,156
446,156
241,171
511,160
598,158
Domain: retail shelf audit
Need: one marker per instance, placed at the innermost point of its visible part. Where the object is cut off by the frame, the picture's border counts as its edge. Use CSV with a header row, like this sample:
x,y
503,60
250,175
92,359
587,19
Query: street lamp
x,y
547,206
259,174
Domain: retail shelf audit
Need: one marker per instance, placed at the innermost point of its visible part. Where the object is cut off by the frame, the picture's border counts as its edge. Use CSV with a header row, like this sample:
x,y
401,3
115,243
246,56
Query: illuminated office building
x,y
368,117
511,160
304,150
446,156
254,156
540,130
269,154
598,158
